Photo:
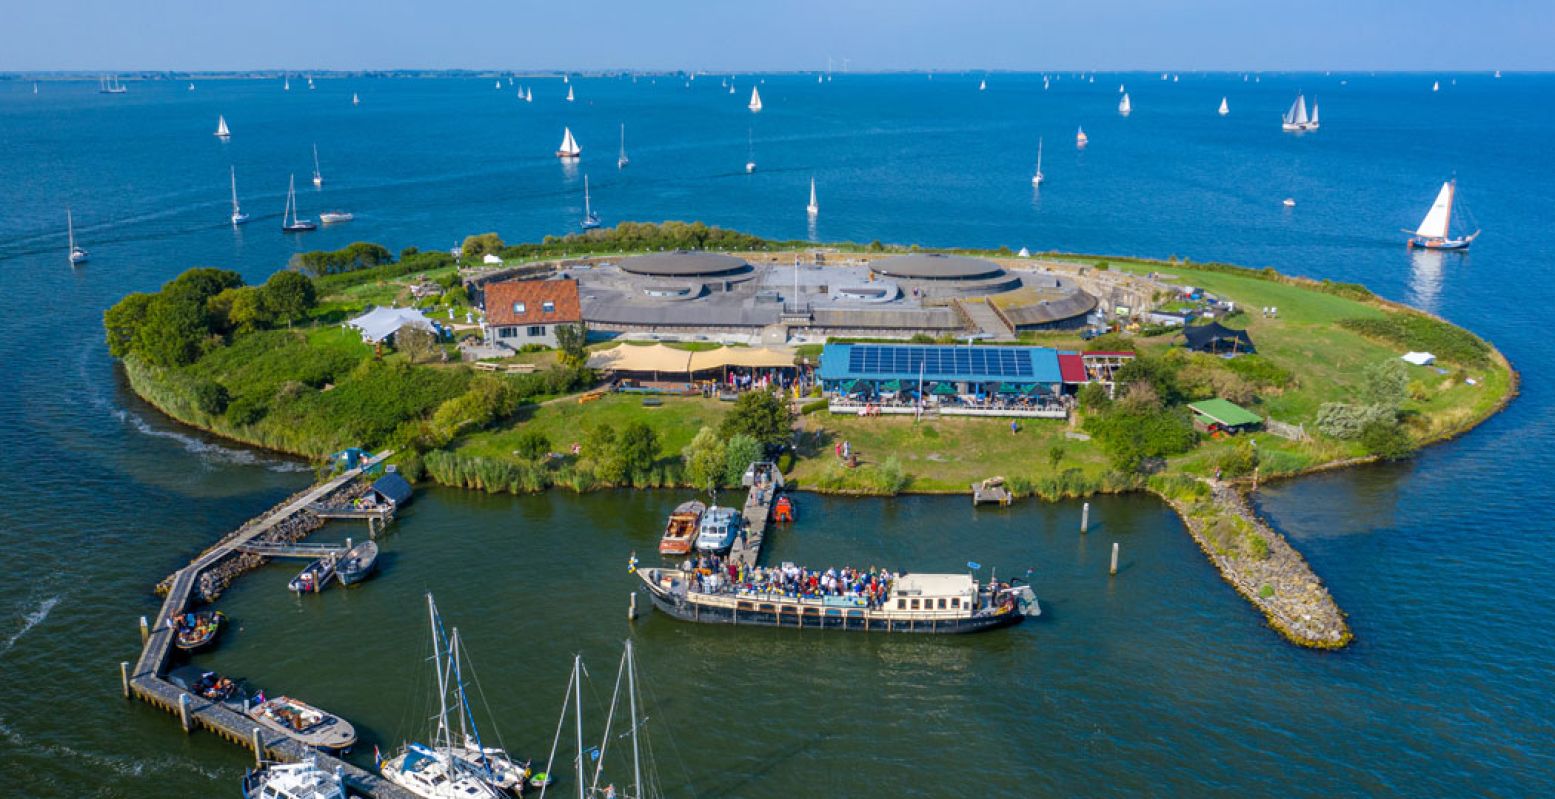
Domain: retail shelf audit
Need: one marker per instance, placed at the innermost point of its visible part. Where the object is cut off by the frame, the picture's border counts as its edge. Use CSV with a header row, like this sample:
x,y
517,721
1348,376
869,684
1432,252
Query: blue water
x,y
1163,682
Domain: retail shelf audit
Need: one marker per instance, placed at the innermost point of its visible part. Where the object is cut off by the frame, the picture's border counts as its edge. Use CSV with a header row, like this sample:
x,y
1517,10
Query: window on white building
x,y
536,331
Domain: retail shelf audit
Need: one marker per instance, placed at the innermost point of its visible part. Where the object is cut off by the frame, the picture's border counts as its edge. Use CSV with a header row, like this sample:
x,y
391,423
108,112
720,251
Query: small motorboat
x,y
1288,202
357,563
334,217
718,529
293,781
304,723
314,577
197,630
681,529
202,683
783,510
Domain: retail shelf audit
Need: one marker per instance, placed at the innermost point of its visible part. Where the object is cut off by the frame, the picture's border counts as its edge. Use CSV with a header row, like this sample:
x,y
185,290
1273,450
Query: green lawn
x,y
564,422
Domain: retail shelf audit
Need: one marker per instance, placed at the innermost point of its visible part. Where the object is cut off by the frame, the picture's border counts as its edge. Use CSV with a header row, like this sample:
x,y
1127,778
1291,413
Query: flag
x,y
631,565
377,757
593,753
260,697
973,565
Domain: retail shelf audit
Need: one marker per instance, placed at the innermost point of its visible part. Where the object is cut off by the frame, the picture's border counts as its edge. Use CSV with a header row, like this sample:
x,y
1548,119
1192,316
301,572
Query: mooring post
x,y
259,751
145,631
631,607
1114,558
183,711
348,543
1255,478
124,677
1085,517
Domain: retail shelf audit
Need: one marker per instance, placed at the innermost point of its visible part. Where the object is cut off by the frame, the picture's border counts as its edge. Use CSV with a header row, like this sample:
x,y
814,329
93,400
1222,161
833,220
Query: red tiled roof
x,y
1071,367
504,299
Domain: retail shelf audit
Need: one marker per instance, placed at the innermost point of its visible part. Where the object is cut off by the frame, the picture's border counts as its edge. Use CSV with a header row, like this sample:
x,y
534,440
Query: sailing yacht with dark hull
x,y
1435,231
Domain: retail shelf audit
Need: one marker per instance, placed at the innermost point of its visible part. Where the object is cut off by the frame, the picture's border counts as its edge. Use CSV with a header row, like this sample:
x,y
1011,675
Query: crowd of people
x,y
714,575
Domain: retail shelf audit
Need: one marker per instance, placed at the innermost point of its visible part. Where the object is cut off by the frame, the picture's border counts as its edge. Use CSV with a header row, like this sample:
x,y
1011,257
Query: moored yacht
x,y
289,221
681,529
304,723
293,781
718,528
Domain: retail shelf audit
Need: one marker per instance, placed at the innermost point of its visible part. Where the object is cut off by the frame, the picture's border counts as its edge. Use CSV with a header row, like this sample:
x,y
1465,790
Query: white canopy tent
x,y
380,323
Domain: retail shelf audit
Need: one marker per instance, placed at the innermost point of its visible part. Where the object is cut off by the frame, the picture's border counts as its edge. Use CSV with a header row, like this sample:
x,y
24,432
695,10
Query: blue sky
x,y
739,35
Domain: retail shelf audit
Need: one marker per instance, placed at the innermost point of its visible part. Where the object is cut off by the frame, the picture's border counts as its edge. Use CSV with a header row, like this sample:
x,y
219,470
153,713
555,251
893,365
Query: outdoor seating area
x,y
879,379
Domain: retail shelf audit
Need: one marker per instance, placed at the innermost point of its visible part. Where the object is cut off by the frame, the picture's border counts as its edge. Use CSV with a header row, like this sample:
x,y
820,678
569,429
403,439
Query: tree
x,y
601,448
174,331
1386,439
202,283
1093,397
704,458
1385,383
483,244
1055,454
532,445
123,320
289,296
418,343
760,415
1158,372
1348,421
572,340
738,454
639,449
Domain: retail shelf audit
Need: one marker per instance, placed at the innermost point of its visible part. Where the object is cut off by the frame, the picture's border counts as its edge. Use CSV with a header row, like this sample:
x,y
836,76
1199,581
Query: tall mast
x,y
234,171
631,700
577,692
586,196
442,683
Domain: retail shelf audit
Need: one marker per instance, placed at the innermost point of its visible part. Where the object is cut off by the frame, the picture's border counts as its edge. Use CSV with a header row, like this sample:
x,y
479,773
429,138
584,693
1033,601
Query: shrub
x,y
1133,436
740,451
813,406
209,397
1416,331
245,411
1266,591
705,460
1237,460
532,445
1347,421
1386,439
1260,371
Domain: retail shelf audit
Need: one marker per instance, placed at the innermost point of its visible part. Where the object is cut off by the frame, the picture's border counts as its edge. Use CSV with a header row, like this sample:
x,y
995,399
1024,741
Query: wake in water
x,y
212,453
121,766
30,621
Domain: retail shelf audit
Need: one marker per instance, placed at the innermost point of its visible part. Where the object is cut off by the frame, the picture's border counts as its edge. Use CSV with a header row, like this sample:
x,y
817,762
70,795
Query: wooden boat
x,y
197,630
313,577
681,528
569,148
358,562
913,603
304,723
1435,231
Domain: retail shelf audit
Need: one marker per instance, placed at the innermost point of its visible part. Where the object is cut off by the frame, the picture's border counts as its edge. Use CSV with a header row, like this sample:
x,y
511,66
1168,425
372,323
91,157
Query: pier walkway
x,y
765,482
145,681
298,550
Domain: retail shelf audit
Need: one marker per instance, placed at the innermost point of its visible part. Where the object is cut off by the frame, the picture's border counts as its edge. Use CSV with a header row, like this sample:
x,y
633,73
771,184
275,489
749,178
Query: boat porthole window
x,y
942,603
915,604
901,604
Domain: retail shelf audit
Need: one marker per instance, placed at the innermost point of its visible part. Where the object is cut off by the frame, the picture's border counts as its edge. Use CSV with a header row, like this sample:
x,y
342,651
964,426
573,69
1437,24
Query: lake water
x,y
1160,680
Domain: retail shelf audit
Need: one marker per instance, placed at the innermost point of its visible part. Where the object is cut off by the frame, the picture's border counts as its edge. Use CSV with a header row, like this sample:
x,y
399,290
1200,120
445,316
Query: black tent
x,y
1217,338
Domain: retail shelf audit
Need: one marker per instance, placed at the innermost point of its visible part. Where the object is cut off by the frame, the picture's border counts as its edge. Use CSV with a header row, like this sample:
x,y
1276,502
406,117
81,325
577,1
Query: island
x,y
673,354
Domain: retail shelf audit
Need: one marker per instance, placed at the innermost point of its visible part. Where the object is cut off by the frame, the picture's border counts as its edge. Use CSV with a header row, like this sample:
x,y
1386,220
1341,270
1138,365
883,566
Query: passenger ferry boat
x,y
718,529
914,603
681,529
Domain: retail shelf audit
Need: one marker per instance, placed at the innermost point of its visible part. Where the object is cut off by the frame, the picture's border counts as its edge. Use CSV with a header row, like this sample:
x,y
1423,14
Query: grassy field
x,y
564,421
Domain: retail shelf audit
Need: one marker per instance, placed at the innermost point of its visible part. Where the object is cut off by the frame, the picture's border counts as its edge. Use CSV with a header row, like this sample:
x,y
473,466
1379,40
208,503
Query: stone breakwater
x,y
289,530
1280,584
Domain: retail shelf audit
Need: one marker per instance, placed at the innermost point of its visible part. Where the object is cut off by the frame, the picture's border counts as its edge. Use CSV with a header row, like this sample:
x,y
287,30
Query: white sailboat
x,y
310,83
755,103
355,100
1120,88
1037,177
1080,139
569,94
590,219
1436,85
1044,83
1124,106
814,207
569,148
286,83
529,95
1224,108
1497,75
750,151
222,131
1435,231
432,771
622,160
731,90
191,86
110,85
499,84
1296,120
35,86
238,217
982,85
77,254
289,221
318,177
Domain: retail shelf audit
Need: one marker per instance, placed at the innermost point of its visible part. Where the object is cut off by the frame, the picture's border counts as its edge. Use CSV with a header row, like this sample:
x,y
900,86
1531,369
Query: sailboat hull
x,y
1298,127
1442,244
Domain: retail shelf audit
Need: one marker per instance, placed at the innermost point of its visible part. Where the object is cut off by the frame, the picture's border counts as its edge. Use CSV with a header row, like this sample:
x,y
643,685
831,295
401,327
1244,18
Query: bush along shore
x,y
272,366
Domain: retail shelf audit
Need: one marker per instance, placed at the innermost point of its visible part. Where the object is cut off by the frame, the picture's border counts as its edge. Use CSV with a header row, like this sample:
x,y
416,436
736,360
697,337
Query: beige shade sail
x,y
632,358
747,357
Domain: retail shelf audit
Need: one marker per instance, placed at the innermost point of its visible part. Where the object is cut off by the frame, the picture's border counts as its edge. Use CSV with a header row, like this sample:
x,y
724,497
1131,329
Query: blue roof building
x,y
877,368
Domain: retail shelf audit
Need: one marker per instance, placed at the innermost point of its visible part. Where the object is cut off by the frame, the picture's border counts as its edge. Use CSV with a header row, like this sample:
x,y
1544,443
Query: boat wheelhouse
x,y
681,529
913,603
293,781
718,529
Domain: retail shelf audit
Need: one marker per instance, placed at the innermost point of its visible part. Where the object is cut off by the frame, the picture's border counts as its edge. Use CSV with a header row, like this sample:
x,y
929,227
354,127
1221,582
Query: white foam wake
x,y
207,450
30,621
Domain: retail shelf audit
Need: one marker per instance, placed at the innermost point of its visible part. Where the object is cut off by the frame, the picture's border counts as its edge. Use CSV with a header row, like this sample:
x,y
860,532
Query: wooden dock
x,y
145,681
758,512
991,492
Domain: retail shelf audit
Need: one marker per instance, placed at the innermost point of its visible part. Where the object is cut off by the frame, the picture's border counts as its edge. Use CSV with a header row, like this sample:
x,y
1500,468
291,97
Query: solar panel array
x,y
989,362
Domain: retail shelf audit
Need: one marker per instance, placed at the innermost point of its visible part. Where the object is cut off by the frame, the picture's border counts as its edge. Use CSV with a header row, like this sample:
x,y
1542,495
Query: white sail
x,y
1124,107
355,100
569,148
622,160
1037,177
982,86
318,177
1224,109
1434,226
814,207
1080,138
286,84
529,95
1120,88
755,103
234,172
1313,121
569,94
221,127
1436,85
1298,111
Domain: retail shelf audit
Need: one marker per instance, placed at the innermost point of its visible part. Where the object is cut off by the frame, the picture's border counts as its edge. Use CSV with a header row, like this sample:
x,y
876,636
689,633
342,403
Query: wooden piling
x,y
183,711
1085,517
124,677
631,607
145,631
1114,558
259,750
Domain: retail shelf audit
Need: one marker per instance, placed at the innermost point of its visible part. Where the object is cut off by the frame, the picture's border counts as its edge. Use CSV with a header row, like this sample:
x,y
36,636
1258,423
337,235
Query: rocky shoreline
x,y
1280,584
